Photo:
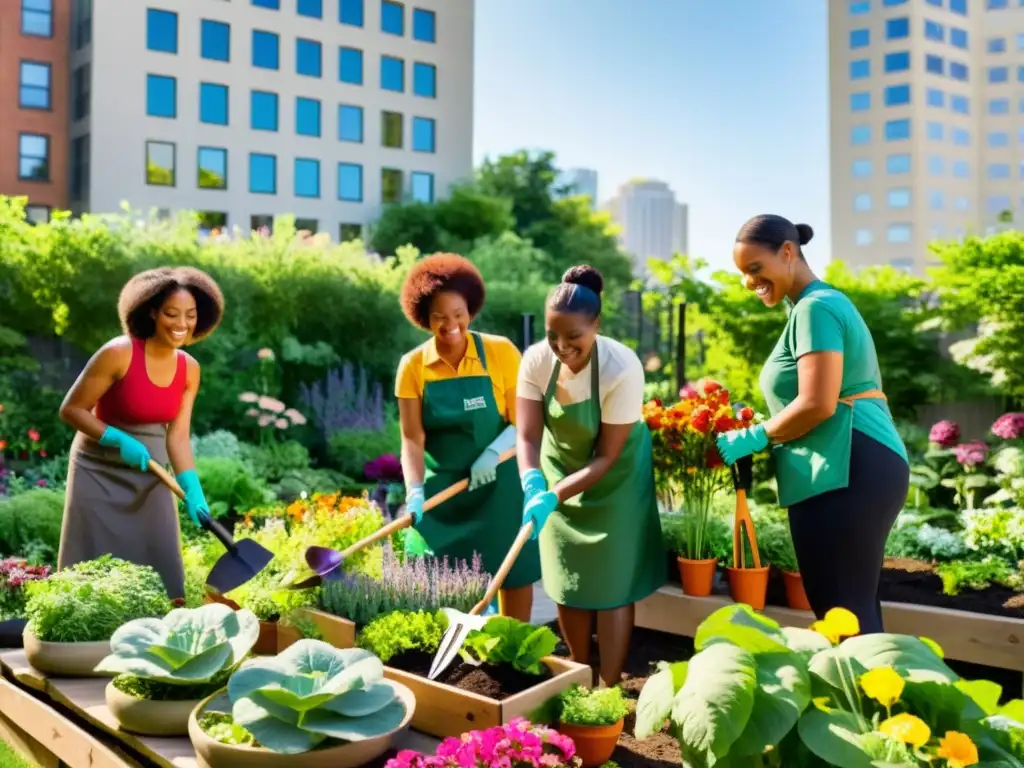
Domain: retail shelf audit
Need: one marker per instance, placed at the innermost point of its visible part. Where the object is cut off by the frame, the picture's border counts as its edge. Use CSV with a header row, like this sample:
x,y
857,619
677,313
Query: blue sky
x,y
726,100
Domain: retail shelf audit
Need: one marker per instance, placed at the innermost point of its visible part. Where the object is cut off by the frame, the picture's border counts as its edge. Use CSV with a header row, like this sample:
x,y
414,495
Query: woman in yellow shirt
x,y
457,403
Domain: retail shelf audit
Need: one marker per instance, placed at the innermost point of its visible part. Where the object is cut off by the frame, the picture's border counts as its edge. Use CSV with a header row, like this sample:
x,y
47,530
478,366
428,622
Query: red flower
x,y
3,445
701,420
657,401
711,386
33,435
723,424
713,459
42,454
654,422
746,413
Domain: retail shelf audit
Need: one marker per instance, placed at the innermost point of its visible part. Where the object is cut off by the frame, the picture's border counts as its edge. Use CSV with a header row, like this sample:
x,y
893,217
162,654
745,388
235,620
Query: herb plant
x,y
394,633
605,706
14,574
219,726
504,640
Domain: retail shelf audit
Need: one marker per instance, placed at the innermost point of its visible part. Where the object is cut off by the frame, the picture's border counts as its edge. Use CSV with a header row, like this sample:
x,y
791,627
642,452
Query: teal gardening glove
x,y
739,443
485,468
538,501
414,544
195,499
133,452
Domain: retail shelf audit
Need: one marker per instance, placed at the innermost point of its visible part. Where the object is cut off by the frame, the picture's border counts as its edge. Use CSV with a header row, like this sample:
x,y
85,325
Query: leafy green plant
x,y
504,640
776,545
394,633
230,485
580,706
31,522
220,726
272,461
976,575
219,444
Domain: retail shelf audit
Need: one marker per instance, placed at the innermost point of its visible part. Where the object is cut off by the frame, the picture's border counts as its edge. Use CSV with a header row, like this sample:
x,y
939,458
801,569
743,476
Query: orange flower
x,y
701,420
3,444
746,413
711,386
958,749
723,423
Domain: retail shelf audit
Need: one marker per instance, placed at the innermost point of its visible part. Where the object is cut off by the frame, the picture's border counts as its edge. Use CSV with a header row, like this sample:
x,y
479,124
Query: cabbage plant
x,y
188,646
312,692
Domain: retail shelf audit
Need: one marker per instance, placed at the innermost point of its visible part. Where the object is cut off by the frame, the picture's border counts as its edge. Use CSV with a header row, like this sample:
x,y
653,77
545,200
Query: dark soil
x,y
493,682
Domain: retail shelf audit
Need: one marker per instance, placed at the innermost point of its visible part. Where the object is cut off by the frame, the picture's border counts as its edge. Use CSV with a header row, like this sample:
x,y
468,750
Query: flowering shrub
x,y
14,573
971,454
945,433
271,413
1009,426
517,744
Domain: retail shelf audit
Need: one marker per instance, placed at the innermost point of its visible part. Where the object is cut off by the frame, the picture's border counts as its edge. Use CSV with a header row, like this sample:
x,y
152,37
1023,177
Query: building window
x,y
34,85
960,104
958,37
423,134
999,106
37,214
392,17
391,183
215,40
859,7
898,198
888,3
936,200
392,74
896,95
79,166
161,96
959,71
391,129
998,74
33,157
861,169
863,237
350,182
1020,74
961,137
80,93
935,131
996,45
997,5
314,9
263,111
308,58
897,130
37,18
213,103
897,29
307,116
960,203
862,202
999,170
961,169
958,6
263,223
897,62
424,25
262,174
350,12
934,31
424,80
350,123
936,65
422,186
161,164
860,69
161,30
83,24
860,101
903,265
936,165
350,66
312,226
860,38
860,134
265,50
349,232
898,233
307,177
273,5
997,139
210,221
212,164
935,98
896,165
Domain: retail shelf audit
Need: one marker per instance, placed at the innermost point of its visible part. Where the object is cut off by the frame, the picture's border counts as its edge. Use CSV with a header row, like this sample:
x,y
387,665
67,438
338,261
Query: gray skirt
x,y
111,508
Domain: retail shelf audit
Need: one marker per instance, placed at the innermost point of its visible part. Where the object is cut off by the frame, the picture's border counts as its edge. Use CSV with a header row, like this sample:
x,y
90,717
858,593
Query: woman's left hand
x,y
739,443
195,500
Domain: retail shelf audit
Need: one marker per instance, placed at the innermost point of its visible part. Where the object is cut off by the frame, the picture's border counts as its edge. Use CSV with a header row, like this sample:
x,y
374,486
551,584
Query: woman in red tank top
x,y
132,404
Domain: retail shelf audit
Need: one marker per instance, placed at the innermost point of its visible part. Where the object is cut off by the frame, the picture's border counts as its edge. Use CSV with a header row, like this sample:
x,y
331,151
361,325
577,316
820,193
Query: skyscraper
x,y
579,181
653,224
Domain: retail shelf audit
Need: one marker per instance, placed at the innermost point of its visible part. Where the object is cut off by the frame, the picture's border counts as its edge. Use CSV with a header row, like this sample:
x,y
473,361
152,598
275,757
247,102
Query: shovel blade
x,y
323,560
459,626
237,566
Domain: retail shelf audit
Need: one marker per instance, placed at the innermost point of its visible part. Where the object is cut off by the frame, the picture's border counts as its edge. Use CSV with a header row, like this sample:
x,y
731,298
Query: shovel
x,y
742,480
325,561
461,624
243,559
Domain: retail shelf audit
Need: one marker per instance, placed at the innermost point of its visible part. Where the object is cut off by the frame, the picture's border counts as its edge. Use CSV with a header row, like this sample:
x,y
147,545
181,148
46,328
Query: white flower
x,y
248,397
271,404
295,417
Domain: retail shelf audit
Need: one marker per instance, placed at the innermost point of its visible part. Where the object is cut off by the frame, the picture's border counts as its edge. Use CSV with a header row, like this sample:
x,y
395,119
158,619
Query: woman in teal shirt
x,y
841,466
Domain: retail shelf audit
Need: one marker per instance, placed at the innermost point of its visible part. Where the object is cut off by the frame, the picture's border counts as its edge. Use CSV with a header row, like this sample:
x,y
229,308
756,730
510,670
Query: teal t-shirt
x,y
825,320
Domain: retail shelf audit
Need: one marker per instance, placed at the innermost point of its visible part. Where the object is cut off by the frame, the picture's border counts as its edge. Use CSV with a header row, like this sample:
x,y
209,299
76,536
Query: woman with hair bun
x,y
587,473
841,466
456,400
132,403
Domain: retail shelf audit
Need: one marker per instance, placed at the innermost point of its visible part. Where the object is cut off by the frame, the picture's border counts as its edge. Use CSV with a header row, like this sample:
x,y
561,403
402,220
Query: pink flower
x,y
253,412
1009,426
297,418
33,435
248,397
282,424
945,433
265,354
271,404
689,392
266,420
971,454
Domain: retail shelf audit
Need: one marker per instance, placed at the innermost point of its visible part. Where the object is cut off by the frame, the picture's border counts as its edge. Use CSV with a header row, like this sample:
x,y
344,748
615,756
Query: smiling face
x,y
449,318
571,336
176,319
767,273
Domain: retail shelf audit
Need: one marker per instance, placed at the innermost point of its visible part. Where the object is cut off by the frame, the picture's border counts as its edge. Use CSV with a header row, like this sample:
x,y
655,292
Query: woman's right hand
x,y
132,451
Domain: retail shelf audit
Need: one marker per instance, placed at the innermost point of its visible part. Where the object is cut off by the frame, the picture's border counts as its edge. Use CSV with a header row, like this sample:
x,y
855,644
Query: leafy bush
x,y
391,634
221,444
272,460
605,706
504,640
351,449
230,485
30,525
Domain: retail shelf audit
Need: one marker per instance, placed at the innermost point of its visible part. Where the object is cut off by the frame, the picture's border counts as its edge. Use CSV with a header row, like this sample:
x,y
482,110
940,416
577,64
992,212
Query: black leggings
x,y
839,536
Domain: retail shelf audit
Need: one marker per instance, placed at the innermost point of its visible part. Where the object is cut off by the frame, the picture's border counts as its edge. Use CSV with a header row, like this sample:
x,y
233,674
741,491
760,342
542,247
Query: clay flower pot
x,y
594,743
697,576
65,659
796,597
749,585
149,717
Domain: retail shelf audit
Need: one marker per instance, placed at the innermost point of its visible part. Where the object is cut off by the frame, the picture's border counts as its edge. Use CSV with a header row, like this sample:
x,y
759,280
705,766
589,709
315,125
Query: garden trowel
x,y
742,480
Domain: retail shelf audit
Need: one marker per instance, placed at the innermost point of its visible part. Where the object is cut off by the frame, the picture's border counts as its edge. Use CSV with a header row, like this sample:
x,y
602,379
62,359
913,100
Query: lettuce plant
x,y
505,640
311,692
395,633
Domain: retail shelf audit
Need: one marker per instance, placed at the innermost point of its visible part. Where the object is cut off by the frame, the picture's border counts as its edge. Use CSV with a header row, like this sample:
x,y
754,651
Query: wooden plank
x,y
26,746
16,665
995,641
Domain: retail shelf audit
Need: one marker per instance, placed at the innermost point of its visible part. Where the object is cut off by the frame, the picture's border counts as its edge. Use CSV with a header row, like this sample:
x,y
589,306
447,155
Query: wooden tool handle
x,y
461,485
499,578
744,522
223,534
166,478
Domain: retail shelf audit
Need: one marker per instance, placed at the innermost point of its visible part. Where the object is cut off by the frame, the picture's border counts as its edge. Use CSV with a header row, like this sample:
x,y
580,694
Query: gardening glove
x,y
133,452
538,509
415,545
735,445
485,468
195,499
534,482
414,499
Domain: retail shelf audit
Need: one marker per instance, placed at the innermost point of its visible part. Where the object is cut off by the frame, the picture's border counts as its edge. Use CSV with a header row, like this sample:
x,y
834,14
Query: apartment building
x,y
578,181
926,105
652,223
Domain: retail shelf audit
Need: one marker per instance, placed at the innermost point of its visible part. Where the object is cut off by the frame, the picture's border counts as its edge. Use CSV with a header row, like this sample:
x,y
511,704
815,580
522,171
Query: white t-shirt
x,y
620,386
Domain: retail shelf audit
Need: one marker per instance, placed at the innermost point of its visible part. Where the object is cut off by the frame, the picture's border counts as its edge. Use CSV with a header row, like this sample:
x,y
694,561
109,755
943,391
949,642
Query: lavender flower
x,y
340,402
1009,426
971,454
945,433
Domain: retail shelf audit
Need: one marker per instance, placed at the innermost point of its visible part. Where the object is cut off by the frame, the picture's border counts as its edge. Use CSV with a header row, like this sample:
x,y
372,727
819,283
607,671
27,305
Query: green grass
x,y
11,759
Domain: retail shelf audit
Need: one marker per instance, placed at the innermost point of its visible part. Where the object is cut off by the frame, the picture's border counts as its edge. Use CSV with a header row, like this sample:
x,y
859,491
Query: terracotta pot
x,y
796,597
749,585
594,743
697,575
65,659
212,754
149,717
266,644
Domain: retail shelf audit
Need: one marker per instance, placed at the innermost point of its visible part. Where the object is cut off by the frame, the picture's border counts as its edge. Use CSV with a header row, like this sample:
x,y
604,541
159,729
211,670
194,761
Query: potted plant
x,y
165,667
593,720
73,613
15,573
777,548
748,577
312,705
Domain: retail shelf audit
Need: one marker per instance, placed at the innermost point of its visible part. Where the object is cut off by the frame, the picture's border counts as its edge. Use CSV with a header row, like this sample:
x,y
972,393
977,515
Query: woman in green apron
x,y
456,398
841,466
587,474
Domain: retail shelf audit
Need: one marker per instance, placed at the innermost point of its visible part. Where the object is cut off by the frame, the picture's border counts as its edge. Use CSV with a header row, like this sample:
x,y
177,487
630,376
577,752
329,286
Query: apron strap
x,y
871,394
480,349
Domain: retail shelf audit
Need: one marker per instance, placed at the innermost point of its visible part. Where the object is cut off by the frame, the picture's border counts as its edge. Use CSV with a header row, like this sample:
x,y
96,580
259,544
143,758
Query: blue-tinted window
x,y
308,58
934,31
1020,106
961,137
266,50
314,9
860,101
958,6
424,80
893,2
997,5
262,174
307,116
161,30
861,169
215,40
350,66
997,139
999,170
898,198
422,186
263,111
860,38
423,139
998,203
274,5
898,233
350,123
960,104
34,85
935,97
897,62
37,21
350,182
307,177
424,25
934,64
212,168
958,71
392,74
860,68
1020,74
351,12
862,202
161,96
996,45
999,106
1020,41
958,37
213,103
897,130
860,7
936,200
962,169
897,29
896,95
897,164
936,165
860,134
935,131
392,17
998,74
936,3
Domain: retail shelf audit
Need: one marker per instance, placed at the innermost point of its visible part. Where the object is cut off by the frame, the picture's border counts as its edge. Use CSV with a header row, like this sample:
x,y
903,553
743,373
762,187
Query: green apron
x,y
602,549
460,419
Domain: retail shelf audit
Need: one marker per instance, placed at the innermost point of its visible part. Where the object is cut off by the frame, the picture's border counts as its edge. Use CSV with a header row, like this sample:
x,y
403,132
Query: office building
x,y
926,102
578,181
652,223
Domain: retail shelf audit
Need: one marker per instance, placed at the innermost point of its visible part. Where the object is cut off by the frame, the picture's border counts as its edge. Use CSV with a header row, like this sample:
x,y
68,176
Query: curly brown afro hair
x,y
437,274
145,293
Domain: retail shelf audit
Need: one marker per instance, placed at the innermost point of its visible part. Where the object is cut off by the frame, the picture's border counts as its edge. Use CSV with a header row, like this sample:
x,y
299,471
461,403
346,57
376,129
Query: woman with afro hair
x,y
457,404
133,403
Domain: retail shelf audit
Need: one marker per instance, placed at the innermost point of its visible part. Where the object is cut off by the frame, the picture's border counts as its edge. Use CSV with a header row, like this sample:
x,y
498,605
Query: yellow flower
x,y
883,684
906,728
958,749
838,623
822,703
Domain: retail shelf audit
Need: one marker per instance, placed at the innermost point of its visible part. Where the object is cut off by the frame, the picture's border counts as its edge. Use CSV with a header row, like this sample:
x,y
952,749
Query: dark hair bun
x,y
805,232
585,275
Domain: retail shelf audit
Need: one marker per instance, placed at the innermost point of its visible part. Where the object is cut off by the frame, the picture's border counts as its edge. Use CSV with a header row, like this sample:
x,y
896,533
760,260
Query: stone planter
x,y
65,659
149,717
